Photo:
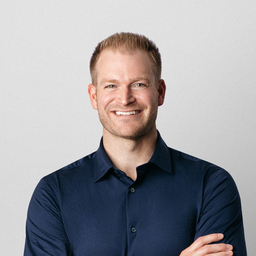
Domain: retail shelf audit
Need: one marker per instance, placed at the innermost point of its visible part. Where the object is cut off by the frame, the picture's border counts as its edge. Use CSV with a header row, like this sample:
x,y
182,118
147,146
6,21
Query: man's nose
x,y
126,96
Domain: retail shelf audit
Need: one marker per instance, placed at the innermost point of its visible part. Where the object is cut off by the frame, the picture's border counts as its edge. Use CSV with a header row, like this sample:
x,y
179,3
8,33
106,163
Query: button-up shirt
x,y
90,208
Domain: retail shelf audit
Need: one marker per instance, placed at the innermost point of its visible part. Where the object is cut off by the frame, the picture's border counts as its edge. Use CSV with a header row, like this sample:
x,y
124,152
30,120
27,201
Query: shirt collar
x,y
161,158
102,162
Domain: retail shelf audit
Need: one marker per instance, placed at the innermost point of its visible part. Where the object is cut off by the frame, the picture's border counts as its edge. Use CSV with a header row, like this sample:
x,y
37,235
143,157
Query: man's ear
x,y
161,92
92,95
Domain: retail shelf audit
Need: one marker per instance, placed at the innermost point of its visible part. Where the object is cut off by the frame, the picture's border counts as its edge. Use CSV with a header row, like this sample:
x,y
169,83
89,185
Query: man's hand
x,y
203,247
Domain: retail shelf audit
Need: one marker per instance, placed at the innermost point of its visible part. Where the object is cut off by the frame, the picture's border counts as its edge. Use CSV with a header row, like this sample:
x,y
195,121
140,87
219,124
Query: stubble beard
x,y
131,133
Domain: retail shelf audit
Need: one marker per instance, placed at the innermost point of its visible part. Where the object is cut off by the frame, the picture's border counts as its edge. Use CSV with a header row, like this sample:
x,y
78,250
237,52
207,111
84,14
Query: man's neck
x,y
127,154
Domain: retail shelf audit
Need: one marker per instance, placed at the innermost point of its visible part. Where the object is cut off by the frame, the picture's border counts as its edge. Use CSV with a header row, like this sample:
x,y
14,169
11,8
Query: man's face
x,y
126,94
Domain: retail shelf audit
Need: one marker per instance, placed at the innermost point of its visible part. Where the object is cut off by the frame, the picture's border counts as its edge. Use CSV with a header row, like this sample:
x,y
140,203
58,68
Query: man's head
x,y
126,90
127,42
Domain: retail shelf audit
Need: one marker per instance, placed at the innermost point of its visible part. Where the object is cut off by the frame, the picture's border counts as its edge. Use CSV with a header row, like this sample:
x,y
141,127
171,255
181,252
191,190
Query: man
x,y
134,195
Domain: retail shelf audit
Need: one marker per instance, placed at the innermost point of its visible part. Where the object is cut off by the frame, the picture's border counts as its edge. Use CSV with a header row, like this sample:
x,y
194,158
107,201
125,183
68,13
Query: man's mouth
x,y
127,113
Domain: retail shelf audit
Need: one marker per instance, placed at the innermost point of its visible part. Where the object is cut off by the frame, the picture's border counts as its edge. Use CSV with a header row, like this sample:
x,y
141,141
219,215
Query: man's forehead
x,y
109,54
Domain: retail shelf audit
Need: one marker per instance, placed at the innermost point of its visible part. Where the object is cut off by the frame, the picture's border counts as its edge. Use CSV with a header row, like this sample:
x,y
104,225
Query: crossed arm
x,y
203,247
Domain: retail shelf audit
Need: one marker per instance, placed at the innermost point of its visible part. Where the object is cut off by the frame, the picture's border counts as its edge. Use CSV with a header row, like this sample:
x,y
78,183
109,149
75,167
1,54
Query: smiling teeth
x,y
119,113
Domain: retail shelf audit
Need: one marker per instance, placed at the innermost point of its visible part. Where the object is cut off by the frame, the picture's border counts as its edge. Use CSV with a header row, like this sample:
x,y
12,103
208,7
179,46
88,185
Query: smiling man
x,y
134,195
127,94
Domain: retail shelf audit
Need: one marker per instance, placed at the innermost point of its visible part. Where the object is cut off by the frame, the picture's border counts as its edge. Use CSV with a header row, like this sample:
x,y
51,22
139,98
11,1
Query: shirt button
x,y
132,190
133,229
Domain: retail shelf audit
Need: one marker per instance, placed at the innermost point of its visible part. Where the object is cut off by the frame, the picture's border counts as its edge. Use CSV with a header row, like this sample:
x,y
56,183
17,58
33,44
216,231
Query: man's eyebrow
x,y
106,80
133,80
141,78
109,81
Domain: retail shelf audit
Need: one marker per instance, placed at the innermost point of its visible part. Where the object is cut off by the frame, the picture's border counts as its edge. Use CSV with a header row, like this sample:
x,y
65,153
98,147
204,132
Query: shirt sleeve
x,y
221,210
45,232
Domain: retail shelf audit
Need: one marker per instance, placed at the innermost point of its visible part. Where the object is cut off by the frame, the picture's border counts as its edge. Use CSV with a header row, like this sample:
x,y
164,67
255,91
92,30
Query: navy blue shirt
x,y
90,208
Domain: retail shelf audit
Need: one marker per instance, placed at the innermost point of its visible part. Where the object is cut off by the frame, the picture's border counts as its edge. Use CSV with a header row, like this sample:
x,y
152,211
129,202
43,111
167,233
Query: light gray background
x,y
209,64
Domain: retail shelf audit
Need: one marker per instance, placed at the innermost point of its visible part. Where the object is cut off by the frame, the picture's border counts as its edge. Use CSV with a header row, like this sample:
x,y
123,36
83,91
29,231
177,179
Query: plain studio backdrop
x,y
208,52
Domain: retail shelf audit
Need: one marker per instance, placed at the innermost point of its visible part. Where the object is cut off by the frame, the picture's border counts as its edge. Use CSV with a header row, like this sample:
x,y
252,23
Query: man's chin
x,y
131,134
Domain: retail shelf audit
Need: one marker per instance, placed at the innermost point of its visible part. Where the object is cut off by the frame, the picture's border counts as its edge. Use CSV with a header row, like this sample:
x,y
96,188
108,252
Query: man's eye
x,y
138,85
110,86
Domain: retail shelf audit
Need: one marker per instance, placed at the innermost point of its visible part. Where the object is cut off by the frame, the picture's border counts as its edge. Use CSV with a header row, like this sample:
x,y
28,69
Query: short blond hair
x,y
128,42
